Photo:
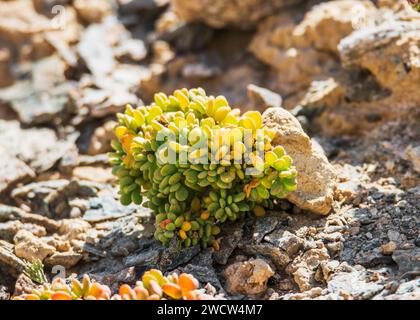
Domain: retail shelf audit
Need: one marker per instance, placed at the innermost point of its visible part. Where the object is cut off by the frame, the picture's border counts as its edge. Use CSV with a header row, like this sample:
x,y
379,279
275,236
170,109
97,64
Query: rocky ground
x,y
348,71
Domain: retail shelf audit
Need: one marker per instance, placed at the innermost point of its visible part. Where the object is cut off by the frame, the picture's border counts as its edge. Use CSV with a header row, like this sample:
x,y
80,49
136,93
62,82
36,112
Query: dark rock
x,y
115,280
276,255
185,37
417,241
232,234
408,261
204,258
57,198
144,258
140,6
263,226
286,241
371,258
58,201
46,6
175,256
107,207
204,274
85,247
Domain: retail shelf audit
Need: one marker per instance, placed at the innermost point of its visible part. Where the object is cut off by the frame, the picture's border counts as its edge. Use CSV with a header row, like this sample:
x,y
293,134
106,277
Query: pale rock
x,y
316,176
74,228
244,14
282,41
335,18
36,230
90,173
30,247
58,243
249,277
66,259
304,267
328,268
354,285
24,30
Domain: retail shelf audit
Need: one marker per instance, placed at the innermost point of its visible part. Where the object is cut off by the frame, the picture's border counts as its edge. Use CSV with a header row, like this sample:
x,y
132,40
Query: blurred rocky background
x,y
348,71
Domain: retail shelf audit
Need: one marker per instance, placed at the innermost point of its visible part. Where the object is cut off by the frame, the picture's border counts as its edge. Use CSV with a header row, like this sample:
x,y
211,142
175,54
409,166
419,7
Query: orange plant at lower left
x,y
153,286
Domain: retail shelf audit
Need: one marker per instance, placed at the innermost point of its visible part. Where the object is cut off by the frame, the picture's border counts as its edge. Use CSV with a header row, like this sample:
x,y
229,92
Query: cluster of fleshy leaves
x,y
192,199
153,286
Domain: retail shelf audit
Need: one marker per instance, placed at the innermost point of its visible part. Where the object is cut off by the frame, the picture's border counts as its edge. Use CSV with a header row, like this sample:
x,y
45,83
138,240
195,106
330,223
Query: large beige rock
x,y
249,277
316,176
222,13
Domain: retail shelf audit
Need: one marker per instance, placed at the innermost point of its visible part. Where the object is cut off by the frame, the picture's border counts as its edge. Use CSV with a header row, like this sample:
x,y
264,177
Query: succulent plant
x,y
35,271
199,163
153,286
58,289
